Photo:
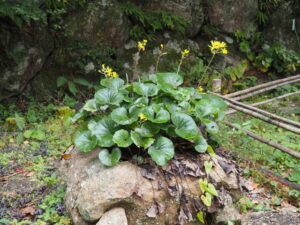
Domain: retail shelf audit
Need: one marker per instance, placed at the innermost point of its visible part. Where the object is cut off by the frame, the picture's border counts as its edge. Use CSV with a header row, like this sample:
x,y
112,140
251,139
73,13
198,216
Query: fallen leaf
x,y
28,210
155,209
29,174
66,156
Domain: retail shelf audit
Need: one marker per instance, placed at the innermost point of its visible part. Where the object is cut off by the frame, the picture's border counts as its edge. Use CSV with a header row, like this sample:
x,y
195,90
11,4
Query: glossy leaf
x,y
157,115
114,83
103,130
141,141
110,159
145,89
90,105
210,104
185,126
206,199
148,129
168,81
85,141
122,138
124,117
108,96
162,151
201,144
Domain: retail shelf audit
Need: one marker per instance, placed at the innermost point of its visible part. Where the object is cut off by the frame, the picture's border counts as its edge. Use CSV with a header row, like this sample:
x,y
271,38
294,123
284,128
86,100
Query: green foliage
x,y
274,58
266,8
71,84
208,191
146,23
148,115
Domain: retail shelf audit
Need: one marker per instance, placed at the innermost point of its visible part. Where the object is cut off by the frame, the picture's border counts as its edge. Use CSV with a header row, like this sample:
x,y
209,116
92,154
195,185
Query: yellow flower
x,y
143,117
185,53
224,51
200,89
141,45
161,46
107,71
218,47
114,74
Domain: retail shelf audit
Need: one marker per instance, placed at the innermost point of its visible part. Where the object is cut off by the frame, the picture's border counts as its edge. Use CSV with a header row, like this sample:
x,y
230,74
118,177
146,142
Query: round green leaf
x,y
145,89
210,105
201,144
122,138
162,151
85,141
123,117
185,126
103,130
108,159
168,81
140,141
108,96
115,83
90,105
148,129
156,114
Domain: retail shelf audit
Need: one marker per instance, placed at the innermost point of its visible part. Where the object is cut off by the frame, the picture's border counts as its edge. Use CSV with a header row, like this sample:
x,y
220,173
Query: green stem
x,y
206,68
181,60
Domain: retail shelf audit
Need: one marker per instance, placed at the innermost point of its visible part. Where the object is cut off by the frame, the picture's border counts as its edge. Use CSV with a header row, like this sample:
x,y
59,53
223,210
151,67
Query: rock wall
x,y
104,22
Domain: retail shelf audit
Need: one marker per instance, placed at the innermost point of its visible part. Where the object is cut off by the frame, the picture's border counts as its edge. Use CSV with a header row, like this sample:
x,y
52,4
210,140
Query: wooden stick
x,y
279,179
262,86
291,122
265,89
267,101
266,141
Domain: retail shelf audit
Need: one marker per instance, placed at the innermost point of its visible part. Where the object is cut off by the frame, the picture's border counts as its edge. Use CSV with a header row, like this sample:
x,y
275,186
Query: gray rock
x,y
271,218
27,53
104,22
93,189
280,28
115,216
230,15
190,10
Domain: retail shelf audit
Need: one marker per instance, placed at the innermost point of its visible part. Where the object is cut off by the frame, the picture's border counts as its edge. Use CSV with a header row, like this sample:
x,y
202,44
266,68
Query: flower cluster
x,y
200,89
185,53
107,71
141,45
218,47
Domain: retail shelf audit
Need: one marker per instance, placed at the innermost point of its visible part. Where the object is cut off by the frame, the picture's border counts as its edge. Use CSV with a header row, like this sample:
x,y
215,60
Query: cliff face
x,y
102,32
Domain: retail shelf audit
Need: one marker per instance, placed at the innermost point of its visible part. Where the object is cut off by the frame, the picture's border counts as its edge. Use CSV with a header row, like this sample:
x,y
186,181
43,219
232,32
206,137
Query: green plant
x,y
151,115
71,84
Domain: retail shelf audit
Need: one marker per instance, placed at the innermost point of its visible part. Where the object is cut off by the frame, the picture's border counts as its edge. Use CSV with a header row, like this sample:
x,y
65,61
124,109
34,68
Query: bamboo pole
x,y
271,115
262,86
265,118
264,89
279,179
266,141
267,101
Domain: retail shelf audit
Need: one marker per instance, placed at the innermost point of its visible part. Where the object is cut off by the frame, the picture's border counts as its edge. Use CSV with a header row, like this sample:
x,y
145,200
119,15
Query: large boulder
x,y
190,10
103,22
280,27
231,15
25,53
148,194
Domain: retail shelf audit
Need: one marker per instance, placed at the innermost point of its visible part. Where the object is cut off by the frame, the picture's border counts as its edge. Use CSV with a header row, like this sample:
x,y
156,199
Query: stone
x,y
231,15
93,190
104,22
271,218
190,10
280,26
28,52
115,216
